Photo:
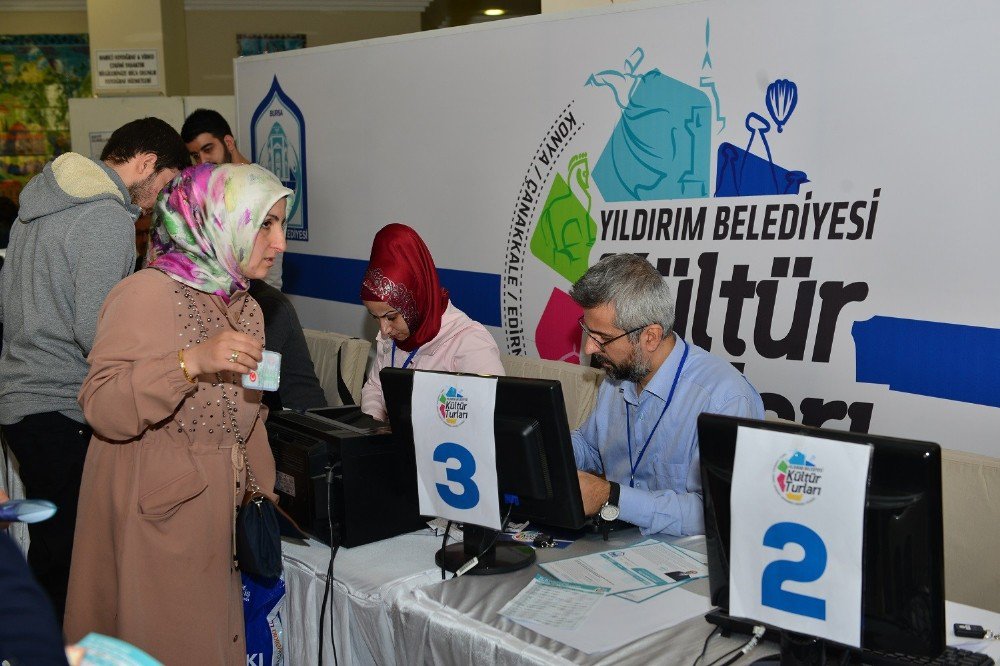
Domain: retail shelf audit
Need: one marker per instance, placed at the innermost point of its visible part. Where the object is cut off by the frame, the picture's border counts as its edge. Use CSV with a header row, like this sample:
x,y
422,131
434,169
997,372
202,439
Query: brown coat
x,y
153,552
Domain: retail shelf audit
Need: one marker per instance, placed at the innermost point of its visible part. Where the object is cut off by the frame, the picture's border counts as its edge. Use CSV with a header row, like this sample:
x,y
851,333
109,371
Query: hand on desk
x,y
594,490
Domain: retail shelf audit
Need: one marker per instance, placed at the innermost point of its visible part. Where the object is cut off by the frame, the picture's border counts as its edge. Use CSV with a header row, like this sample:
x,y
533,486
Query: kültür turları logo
x,y
453,407
797,480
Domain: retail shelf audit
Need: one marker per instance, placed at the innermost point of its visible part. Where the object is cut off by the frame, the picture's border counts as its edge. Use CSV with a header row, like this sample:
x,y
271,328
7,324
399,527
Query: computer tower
x,y
354,478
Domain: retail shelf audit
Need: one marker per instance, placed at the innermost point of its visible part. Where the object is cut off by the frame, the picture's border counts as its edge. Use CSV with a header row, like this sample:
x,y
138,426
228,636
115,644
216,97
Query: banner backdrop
x,y
809,177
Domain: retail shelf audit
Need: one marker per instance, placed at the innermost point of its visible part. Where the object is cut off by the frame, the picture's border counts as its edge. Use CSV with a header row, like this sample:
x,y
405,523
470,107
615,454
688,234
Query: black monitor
x,y
902,579
536,470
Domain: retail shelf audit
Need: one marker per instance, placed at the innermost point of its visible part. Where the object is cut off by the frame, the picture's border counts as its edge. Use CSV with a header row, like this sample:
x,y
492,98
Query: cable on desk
x,y
334,547
737,653
444,544
472,562
704,647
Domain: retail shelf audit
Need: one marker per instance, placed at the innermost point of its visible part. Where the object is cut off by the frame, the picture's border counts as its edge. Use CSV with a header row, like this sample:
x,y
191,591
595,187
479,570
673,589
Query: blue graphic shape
x,y
452,392
743,174
799,458
339,279
283,152
707,82
938,360
661,146
782,96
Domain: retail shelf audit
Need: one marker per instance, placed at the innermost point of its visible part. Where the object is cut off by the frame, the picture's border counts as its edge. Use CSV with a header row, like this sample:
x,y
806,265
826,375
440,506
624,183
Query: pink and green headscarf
x,y
206,221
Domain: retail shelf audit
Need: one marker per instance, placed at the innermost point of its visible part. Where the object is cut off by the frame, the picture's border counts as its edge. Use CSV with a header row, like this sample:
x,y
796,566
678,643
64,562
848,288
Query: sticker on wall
x,y
278,143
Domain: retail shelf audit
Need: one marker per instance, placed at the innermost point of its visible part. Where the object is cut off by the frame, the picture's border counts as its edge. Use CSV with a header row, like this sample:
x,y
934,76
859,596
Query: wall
x,y
49,23
211,37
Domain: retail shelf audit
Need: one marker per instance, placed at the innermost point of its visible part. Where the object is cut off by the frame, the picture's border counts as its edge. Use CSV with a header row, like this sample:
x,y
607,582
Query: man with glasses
x,y
638,449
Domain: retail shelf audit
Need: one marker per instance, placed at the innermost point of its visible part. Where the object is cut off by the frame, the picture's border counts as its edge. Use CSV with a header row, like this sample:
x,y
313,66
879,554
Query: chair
x,y
324,347
971,489
579,382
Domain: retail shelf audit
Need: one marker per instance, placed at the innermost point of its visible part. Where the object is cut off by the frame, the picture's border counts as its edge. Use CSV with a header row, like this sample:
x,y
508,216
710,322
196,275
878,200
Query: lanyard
x,y
409,359
628,420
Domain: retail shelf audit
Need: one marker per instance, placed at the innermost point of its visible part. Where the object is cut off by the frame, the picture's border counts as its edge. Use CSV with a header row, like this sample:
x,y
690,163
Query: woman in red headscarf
x,y
418,326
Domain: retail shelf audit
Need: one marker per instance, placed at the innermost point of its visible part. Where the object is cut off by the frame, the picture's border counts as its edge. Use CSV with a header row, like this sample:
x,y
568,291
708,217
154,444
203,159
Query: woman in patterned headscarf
x,y
419,327
153,553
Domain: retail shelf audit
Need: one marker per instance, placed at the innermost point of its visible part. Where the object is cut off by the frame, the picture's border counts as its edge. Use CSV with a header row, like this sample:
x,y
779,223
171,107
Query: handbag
x,y
258,535
258,538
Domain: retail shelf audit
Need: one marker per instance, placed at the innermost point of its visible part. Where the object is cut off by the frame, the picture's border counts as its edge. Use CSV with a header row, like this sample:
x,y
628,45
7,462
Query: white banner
x,y
810,178
797,531
455,447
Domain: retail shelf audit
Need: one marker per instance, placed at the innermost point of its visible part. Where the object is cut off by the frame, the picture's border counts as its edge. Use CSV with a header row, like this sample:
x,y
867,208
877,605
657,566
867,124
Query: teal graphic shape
x,y
661,146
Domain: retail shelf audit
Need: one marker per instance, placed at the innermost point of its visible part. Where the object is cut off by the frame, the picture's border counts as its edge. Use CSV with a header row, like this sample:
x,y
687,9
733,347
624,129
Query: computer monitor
x,y
536,470
902,579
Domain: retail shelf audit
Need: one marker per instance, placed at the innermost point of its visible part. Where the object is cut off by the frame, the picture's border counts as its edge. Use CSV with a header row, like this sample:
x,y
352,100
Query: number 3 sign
x,y
797,509
455,447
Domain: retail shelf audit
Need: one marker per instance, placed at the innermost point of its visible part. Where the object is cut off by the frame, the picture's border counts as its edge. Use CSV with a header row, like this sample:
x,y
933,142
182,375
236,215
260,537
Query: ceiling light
x,y
494,12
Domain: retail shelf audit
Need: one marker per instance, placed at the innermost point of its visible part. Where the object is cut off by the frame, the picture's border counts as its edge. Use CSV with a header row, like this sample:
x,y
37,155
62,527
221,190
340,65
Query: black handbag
x,y
258,535
258,538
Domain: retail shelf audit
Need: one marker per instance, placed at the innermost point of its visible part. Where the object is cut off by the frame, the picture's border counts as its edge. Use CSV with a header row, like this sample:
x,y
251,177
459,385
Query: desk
x,y
391,607
366,581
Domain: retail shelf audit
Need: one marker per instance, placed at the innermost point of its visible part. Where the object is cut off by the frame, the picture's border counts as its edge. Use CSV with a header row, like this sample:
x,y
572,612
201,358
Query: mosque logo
x,y
660,148
278,143
452,406
797,479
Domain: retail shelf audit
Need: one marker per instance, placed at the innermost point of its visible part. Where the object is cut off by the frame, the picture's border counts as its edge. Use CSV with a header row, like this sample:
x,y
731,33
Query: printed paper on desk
x,y
797,508
454,444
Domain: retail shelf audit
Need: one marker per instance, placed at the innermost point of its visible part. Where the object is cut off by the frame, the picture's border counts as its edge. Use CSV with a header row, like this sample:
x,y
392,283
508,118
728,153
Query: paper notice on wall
x,y
127,69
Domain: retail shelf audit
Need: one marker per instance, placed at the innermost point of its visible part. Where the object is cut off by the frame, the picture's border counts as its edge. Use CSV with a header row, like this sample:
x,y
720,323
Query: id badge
x,y
267,376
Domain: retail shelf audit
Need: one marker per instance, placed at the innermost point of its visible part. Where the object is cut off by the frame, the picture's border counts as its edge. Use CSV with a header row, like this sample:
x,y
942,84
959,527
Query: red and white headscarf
x,y
401,273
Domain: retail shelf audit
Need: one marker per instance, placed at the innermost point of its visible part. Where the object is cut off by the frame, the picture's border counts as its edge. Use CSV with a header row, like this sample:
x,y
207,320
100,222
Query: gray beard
x,y
634,369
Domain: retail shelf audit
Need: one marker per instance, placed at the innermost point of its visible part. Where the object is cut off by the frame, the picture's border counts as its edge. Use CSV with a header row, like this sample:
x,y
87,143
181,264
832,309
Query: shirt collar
x,y
661,382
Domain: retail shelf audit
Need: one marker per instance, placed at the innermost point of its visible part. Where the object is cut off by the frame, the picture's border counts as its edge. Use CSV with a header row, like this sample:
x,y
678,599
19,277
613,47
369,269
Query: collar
x,y
659,385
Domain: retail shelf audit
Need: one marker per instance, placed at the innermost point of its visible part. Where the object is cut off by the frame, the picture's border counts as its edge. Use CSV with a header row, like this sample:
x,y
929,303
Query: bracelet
x,y
189,378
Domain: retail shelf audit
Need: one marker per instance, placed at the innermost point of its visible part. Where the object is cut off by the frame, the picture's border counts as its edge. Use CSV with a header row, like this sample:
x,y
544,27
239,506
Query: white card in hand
x,y
267,376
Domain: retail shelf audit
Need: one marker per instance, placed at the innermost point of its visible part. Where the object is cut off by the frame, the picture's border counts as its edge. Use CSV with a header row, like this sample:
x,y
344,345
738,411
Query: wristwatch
x,y
609,512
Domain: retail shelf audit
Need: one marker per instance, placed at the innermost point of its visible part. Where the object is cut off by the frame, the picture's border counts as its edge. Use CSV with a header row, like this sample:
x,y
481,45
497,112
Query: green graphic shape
x,y
565,232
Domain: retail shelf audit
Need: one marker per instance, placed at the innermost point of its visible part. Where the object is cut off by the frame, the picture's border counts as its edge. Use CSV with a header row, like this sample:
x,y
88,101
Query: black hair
x,y
147,135
205,120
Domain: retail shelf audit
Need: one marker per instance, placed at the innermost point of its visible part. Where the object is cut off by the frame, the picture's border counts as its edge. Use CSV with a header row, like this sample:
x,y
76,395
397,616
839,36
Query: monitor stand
x,y
805,650
498,557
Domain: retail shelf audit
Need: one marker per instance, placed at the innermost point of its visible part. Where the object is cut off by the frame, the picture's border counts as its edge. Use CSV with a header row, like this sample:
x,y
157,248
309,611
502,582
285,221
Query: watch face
x,y
609,512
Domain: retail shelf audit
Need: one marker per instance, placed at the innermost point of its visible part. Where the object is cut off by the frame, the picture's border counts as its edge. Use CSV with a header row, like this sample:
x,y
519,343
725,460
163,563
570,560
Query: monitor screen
x,y
536,470
902,587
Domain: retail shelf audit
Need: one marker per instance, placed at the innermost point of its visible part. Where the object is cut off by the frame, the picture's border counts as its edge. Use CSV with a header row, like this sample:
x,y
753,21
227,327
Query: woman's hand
x,y
228,350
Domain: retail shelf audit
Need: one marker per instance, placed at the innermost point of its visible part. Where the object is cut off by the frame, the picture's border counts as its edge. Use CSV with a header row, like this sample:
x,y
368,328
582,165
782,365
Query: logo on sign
x,y
453,407
278,143
797,480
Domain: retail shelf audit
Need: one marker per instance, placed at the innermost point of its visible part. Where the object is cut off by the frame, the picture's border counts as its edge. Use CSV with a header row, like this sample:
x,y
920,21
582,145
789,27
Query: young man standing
x,y
72,242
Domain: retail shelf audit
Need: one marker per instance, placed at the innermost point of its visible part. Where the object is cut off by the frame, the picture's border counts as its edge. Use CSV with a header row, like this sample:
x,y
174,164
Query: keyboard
x,y
950,657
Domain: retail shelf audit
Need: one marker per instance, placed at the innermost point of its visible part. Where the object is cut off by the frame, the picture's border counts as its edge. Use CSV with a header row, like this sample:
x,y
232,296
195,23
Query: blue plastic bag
x,y
263,602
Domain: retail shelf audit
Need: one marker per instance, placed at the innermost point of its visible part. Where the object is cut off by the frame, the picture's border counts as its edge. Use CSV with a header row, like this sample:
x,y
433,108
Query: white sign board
x,y
797,508
810,178
97,142
130,69
454,443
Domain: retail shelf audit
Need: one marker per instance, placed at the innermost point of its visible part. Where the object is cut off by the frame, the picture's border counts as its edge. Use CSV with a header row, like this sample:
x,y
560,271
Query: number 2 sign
x,y
797,508
455,447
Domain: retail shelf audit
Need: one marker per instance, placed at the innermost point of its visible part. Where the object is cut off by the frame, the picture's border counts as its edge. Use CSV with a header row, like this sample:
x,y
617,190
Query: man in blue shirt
x,y
638,450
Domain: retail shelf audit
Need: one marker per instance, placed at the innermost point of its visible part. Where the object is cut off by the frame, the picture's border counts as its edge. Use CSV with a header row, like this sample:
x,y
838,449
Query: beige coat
x,y
153,552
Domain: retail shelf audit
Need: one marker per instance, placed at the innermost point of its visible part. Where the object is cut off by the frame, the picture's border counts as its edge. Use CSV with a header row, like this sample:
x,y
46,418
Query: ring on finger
x,y
235,355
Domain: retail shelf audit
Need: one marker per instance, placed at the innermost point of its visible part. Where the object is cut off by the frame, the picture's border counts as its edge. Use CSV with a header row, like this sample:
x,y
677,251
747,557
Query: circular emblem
x,y
452,406
796,479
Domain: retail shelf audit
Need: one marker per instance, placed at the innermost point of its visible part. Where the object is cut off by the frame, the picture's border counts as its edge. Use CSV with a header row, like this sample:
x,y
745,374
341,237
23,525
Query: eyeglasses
x,y
602,345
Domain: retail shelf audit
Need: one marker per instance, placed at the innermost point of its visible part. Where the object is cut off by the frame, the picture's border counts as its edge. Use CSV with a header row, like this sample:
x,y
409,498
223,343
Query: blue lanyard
x,y
628,421
409,359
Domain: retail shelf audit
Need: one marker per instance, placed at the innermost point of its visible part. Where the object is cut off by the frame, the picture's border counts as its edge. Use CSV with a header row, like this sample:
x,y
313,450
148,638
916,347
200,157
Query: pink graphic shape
x,y
558,337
